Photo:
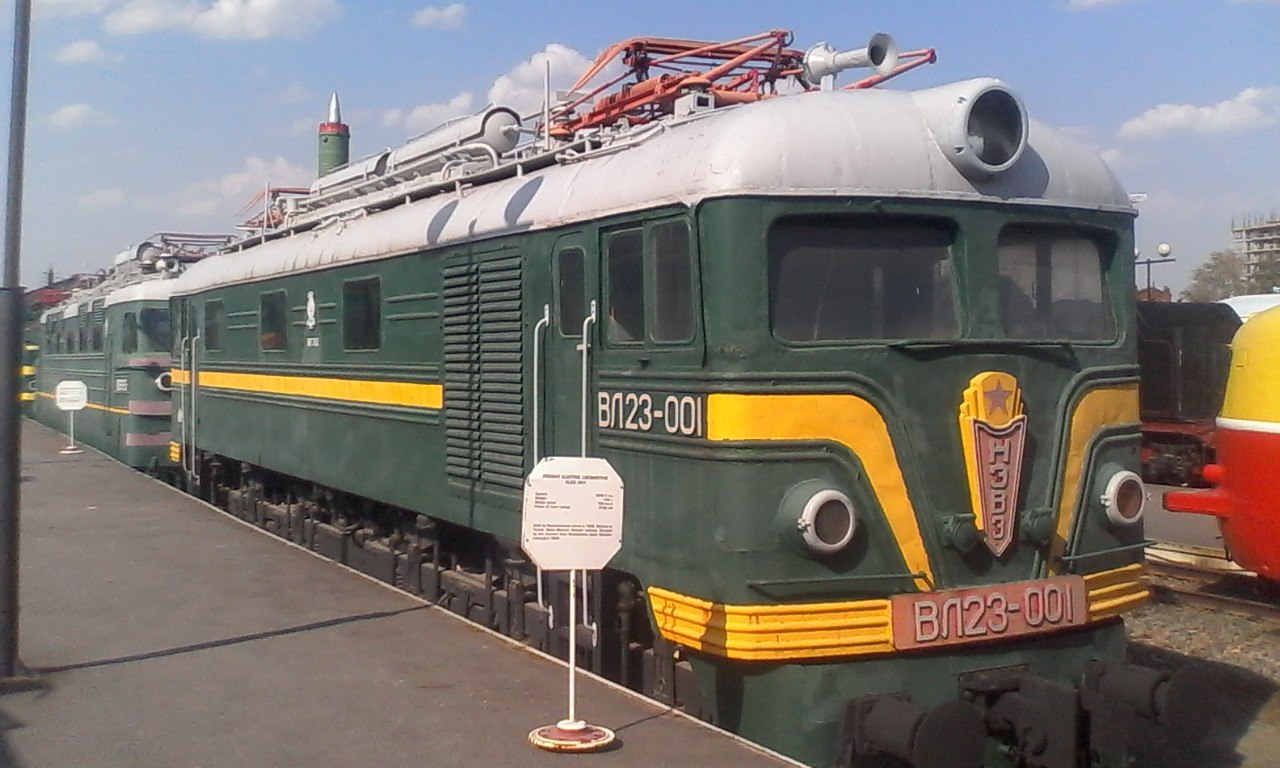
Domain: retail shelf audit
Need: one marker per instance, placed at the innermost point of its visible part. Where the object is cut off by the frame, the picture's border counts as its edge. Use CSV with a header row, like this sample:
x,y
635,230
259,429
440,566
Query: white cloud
x,y
110,197
224,20
227,195
1249,110
427,116
303,126
448,17
1085,5
75,115
83,52
521,88
1113,156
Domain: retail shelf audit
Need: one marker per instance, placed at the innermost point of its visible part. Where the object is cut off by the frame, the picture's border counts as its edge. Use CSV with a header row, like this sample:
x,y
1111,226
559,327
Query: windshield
x,y
839,278
155,326
1051,285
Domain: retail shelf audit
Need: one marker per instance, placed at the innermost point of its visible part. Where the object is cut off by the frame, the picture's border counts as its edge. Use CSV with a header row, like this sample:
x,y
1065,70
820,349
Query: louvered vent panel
x,y
461,363
484,384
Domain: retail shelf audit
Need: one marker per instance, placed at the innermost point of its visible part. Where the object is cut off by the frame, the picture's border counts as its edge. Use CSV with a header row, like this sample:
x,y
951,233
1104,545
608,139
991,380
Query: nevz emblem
x,y
993,431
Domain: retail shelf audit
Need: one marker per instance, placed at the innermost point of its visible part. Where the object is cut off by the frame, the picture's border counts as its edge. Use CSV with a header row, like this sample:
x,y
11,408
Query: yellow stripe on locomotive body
x,y
90,405
405,394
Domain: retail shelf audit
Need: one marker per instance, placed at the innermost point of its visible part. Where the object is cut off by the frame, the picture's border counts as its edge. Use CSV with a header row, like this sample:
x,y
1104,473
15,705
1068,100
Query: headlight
x,y
164,382
1124,498
824,518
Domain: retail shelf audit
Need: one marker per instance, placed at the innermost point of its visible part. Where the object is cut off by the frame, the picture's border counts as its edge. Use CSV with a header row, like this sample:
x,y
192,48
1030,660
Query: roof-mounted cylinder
x,y
334,140
979,124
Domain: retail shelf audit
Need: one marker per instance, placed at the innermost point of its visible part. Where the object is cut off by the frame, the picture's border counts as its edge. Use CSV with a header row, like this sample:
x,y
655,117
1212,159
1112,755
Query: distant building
x,y
1257,240
1155,294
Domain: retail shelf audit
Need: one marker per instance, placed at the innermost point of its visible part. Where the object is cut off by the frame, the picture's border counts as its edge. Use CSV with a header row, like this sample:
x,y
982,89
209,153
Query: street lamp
x,y
1162,250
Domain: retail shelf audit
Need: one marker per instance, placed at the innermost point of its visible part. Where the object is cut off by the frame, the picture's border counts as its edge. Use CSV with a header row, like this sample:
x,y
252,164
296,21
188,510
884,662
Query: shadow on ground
x,y
1224,702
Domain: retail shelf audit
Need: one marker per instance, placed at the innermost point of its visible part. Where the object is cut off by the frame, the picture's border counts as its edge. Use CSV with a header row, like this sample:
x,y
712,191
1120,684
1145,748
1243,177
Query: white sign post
x,y
71,396
572,521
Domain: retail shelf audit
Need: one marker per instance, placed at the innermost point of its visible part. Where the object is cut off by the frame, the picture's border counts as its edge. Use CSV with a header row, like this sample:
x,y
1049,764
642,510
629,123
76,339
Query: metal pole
x,y
572,721
11,346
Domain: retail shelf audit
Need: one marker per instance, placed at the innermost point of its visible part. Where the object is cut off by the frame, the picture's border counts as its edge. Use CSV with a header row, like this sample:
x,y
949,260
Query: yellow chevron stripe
x,y
845,419
1100,407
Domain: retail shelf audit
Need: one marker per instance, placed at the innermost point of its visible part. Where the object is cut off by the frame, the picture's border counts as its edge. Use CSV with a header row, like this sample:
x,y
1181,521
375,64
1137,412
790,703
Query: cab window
x,y
835,278
650,280
1051,285
155,326
625,258
673,282
129,333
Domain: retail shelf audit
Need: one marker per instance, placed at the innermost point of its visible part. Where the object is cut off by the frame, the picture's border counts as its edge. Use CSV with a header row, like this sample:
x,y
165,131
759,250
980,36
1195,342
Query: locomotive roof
x,y
157,289
872,143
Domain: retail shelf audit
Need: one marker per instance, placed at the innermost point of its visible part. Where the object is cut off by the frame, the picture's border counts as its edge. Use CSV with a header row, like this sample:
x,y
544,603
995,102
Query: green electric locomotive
x,y
862,358
113,335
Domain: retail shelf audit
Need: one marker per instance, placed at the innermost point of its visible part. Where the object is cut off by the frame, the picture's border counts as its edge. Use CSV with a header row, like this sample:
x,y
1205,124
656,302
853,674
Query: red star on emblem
x,y
997,398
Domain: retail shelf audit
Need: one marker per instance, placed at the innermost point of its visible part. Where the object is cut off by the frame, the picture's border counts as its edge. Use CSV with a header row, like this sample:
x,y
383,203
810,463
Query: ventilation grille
x,y
483,374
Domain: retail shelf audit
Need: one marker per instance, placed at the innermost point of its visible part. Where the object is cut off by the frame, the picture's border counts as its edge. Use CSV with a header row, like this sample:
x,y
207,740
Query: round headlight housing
x,y
1124,498
827,522
164,382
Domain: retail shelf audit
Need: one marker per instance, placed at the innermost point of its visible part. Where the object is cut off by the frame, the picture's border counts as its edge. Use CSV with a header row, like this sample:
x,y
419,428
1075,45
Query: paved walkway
x,y
167,634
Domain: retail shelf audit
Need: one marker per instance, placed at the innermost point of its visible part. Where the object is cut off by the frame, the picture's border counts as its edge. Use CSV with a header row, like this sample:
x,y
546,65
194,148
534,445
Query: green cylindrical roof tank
x,y
334,140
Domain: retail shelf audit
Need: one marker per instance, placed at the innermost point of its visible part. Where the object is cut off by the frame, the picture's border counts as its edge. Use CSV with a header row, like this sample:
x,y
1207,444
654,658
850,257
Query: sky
x,y
170,115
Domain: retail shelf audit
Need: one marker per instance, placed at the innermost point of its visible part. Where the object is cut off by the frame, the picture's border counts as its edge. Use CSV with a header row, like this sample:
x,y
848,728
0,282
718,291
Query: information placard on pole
x,y
71,396
572,521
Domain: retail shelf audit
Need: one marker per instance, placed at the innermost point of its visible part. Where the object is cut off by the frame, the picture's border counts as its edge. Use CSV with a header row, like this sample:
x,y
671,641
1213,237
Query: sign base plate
x,y
565,736
70,449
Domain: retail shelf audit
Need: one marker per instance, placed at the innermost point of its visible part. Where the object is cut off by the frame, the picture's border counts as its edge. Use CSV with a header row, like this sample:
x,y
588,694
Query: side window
x,y
570,295
273,321
129,333
96,332
215,319
673,282
362,314
625,258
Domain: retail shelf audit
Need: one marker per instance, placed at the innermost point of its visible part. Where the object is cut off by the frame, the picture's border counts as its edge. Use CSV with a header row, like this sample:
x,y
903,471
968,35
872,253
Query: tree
x,y
1222,275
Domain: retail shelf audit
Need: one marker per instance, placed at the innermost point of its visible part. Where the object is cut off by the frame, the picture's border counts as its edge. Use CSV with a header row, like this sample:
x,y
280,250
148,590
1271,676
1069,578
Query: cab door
x,y
568,354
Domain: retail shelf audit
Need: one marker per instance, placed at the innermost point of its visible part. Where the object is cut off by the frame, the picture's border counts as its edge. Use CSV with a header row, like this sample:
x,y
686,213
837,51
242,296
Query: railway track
x,y
1207,579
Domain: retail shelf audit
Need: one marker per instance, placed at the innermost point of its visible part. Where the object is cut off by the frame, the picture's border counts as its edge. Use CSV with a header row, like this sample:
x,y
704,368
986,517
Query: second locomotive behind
x,y
114,336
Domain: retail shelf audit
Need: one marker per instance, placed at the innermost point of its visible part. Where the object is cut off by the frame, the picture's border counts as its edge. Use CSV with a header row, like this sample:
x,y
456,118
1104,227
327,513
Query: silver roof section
x,y
864,144
143,272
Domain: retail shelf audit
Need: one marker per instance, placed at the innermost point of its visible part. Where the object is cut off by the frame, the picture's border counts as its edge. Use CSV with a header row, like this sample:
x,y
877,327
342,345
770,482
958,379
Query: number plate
x,y
957,616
